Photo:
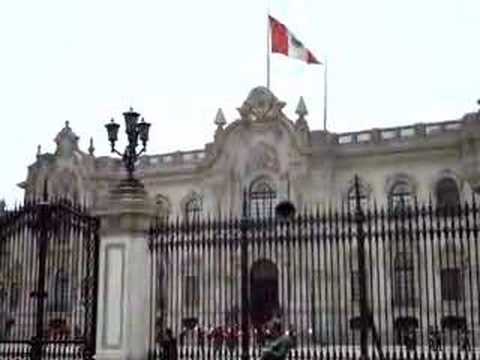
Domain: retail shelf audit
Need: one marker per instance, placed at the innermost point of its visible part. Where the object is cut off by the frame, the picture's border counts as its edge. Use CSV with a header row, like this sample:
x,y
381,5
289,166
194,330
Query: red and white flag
x,y
284,42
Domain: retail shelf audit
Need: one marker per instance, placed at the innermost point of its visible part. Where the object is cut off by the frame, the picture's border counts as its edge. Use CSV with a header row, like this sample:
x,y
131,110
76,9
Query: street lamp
x,y
135,131
285,210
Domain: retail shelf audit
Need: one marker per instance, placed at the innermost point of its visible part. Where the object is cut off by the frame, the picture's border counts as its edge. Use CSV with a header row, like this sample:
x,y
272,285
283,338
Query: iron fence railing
x,y
48,281
339,281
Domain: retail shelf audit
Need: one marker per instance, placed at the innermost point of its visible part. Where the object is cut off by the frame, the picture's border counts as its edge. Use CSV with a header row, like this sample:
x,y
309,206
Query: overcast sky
x,y
390,63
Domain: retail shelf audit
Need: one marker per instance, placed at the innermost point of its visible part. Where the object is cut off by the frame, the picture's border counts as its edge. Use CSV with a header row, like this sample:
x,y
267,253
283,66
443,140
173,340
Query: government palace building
x,y
264,151
422,265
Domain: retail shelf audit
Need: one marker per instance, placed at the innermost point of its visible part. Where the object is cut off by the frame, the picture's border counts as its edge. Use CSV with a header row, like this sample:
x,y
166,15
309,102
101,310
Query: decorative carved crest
x,y
261,105
263,157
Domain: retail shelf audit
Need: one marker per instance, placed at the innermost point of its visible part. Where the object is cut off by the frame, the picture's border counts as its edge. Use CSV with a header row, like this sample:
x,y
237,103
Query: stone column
x,y
124,284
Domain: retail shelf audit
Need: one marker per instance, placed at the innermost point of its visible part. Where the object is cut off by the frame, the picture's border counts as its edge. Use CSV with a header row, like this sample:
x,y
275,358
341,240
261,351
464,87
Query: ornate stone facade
x,y
270,156
264,143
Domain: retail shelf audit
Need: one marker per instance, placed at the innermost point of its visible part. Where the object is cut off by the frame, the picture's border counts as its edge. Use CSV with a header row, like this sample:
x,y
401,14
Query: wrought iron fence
x,y
342,283
48,281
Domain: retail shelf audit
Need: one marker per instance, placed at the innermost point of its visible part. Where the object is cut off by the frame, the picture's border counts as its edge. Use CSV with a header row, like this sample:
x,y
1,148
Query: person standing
x,y
279,347
169,346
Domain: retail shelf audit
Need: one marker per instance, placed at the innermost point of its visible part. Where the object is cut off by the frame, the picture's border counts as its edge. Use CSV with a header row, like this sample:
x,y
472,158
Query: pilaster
x,y
124,284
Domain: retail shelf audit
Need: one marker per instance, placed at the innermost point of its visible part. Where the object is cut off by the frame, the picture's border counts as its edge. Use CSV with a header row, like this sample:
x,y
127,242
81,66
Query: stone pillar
x,y
124,284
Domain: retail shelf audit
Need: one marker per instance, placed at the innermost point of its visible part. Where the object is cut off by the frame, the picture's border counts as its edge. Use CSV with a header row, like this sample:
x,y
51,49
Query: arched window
x,y
447,194
403,269
65,186
452,277
160,299
352,198
193,208
262,198
191,291
400,196
162,207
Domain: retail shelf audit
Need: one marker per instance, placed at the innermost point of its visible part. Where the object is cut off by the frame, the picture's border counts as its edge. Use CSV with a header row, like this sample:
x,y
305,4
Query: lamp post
x,y
135,131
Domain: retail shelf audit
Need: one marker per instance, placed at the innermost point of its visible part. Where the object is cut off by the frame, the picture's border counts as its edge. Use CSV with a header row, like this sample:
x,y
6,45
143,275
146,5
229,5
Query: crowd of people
x,y
271,337
437,339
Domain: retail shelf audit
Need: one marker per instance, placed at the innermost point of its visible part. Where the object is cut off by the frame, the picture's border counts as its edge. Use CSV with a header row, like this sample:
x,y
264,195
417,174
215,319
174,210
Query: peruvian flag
x,y
284,42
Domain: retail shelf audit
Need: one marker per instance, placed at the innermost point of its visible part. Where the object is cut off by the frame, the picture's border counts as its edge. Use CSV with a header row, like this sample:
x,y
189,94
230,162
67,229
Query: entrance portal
x,y
263,291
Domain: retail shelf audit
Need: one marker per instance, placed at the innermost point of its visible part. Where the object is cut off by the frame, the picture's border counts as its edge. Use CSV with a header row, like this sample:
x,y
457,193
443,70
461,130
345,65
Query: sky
x,y
390,63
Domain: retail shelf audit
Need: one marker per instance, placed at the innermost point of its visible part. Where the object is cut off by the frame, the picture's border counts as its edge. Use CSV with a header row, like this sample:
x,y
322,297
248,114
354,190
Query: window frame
x,y
352,199
444,196
400,196
452,284
193,208
162,206
262,198
191,291
404,279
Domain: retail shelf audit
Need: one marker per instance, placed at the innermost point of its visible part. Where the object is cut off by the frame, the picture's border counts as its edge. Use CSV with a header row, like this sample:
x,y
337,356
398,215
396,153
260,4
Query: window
x,y
352,198
160,290
191,291
262,199
355,286
162,208
400,197
193,208
404,293
61,292
447,194
86,290
452,284
14,295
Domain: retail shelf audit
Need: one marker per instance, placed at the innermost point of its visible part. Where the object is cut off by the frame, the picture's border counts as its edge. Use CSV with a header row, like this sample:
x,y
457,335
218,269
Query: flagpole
x,y
325,96
268,48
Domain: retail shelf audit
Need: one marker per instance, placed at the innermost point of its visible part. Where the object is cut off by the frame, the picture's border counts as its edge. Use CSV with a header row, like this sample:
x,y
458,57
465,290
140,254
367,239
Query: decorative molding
x,y
263,157
394,179
113,303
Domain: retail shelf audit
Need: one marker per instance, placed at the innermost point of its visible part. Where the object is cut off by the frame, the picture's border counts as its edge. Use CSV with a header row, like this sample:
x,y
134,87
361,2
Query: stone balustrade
x,y
373,136
155,161
178,157
395,133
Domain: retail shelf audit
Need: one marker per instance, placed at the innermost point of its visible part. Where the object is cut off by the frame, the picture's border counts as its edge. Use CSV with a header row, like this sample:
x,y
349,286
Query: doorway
x,y
263,291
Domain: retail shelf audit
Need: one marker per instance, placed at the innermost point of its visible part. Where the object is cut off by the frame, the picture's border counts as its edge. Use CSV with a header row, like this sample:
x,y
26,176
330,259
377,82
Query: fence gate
x,y
48,281
345,283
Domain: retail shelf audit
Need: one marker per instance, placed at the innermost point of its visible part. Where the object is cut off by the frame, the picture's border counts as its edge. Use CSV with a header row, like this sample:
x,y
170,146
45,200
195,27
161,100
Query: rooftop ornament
x,y
136,131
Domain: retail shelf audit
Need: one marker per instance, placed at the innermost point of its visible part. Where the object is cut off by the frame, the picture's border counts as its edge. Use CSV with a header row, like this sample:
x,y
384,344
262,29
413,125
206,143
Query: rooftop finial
x,y
39,150
220,118
301,110
67,124
91,148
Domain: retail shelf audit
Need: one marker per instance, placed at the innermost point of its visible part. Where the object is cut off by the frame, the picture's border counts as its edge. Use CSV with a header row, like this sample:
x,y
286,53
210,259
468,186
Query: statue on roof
x,y
67,141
